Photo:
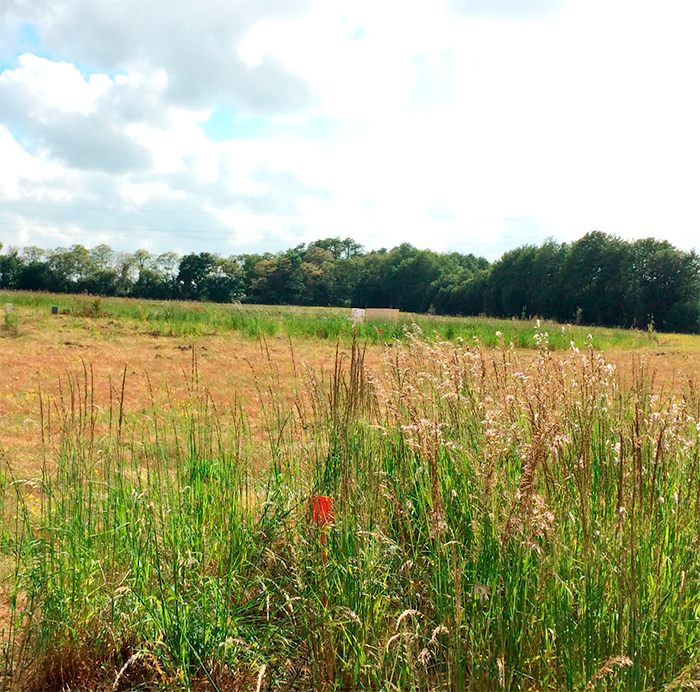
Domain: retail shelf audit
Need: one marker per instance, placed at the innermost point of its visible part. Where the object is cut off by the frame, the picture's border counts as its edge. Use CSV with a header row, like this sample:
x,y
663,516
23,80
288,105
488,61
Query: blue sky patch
x,y
27,39
29,144
223,126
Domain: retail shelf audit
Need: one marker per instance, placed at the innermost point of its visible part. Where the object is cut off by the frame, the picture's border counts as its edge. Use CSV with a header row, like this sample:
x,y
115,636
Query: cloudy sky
x,y
237,126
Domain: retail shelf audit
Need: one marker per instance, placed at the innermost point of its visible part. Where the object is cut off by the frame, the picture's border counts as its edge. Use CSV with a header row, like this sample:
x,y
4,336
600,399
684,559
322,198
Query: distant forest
x,y
599,279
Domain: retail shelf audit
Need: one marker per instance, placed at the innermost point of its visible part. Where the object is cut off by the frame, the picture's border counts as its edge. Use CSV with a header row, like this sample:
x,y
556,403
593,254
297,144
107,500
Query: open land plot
x,y
502,518
47,349
156,341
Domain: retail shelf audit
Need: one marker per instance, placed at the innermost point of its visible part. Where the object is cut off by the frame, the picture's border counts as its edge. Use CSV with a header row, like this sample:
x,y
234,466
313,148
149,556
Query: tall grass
x,y
495,527
189,319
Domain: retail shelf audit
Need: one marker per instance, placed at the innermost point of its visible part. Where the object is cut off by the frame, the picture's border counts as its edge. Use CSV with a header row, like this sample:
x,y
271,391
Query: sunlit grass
x,y
497,525
187,319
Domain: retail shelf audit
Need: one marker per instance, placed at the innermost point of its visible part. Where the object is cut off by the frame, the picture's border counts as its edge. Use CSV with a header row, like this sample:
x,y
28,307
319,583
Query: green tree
x,y
595,279
101,277
194,269
35,274
664,288
68,268
11,265
167,265
279,280
414,282
148,281
546,280
339,249
372,280
32,254
509,291
224,280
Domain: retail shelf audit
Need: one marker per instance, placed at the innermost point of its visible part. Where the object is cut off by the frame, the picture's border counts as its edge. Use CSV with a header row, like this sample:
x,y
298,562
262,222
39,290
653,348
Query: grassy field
x,y
186,319
503,518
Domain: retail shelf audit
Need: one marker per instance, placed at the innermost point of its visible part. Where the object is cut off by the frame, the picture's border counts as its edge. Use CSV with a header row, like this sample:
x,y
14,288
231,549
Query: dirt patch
x,y
234,368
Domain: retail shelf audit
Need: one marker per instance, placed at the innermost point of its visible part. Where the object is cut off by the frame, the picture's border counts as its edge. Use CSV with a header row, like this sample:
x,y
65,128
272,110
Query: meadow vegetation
x,y
498,524
192,319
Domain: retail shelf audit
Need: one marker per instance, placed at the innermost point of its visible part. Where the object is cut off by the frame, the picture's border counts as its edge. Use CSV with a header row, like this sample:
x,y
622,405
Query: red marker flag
x,y
321,507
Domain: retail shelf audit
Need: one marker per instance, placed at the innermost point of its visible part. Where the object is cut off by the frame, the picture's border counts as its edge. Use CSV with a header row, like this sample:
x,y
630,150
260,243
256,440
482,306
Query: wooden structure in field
x,y
386,314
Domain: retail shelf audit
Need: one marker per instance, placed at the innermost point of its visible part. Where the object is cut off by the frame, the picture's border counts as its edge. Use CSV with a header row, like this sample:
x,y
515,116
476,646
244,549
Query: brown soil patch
x,y
234,368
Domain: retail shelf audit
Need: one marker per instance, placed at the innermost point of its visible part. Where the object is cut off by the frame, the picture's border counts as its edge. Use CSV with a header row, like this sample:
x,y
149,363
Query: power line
x,y
243,214
101,228
146,211
446,217
213,235
203,235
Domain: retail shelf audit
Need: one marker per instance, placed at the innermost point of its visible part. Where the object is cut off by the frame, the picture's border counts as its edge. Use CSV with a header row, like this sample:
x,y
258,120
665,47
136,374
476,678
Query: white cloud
x,y
196,44
458,124
44,86
23,176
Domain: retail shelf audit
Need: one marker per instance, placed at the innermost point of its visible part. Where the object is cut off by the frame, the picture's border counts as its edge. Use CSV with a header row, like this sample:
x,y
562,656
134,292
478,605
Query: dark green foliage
x,y
601,280
595,274
664,285
194,270
10,269
210,277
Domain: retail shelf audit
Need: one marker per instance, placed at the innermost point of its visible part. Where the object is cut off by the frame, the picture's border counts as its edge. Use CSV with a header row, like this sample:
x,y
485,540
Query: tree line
x,y
598,279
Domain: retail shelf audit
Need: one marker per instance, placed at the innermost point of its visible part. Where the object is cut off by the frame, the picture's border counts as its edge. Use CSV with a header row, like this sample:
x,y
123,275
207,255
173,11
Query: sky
x,y
237,126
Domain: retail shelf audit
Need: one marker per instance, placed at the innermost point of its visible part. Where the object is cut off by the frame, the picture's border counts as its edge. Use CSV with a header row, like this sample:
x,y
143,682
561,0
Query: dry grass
x,y
227,365
42,354
500,514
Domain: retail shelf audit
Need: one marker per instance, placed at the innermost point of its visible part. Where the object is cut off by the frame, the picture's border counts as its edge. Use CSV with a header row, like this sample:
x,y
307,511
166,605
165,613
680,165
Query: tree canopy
x,y
598,279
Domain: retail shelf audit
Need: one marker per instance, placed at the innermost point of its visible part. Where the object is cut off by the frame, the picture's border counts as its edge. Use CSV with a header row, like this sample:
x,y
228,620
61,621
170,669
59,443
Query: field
x,y
509,511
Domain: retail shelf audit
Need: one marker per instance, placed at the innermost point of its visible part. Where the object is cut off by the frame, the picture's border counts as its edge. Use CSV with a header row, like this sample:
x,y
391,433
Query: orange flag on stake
x,y
321,507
